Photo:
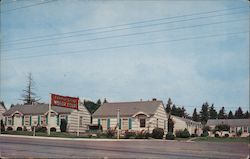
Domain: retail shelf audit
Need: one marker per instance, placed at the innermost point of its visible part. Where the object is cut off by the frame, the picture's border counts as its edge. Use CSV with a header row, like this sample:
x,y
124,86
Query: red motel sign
x,y
64,101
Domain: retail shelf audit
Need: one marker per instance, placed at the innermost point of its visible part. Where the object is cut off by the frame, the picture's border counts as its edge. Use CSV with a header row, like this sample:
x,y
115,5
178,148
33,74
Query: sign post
x,y
118,123
49,114
78,123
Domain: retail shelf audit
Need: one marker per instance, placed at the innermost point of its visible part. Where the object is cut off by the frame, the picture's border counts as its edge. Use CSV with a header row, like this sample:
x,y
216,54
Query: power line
x,y
108,31
124,35
129,45
36,4
120,25
11,1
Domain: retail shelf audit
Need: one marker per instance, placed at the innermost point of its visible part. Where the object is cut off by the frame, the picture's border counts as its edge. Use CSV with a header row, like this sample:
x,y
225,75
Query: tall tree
x,y
204,114
183,112
222,114
170,124
239,113
247,115
212,112
173,110
168,106
28,96
195,116
230,115
99,102
105,100
91,106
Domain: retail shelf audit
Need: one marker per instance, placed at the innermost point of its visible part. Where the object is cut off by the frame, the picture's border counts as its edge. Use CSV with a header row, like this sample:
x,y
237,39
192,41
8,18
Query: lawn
x,y
222,139
52,134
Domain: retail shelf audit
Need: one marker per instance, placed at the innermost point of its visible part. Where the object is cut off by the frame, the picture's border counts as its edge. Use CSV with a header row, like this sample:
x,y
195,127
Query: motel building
x,y
26,116
235,125
135,116
181,123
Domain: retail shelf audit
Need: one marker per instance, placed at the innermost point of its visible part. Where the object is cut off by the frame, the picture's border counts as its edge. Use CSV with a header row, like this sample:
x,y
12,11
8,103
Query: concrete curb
x,y
84,139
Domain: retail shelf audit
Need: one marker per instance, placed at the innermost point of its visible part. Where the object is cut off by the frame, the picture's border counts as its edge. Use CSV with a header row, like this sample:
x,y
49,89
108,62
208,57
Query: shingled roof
x,y
36,109
230,122
186,120
127,109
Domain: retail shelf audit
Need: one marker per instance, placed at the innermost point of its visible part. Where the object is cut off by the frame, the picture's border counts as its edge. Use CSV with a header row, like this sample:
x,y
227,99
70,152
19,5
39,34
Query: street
x,y
17,147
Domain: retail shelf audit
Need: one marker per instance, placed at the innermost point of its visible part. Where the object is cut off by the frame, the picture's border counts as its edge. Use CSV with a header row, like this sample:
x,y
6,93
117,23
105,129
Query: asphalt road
x,y
12,147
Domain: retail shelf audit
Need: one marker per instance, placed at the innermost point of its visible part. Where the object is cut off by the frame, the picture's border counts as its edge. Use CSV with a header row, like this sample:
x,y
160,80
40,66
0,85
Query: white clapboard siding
x,y
73,120
2,110
179,124
161,115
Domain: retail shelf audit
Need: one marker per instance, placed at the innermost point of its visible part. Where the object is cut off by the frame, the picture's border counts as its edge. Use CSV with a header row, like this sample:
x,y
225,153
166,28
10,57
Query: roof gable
x,y
127,109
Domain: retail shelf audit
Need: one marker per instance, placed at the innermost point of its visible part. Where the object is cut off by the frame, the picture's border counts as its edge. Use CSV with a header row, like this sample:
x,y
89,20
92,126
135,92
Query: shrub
x,y
178,133
205,134
185,133
222,127
182,133
216,135
194,135
226,135
206,128
2,126
9,128
140,135
53,129
157,133
170,136
238,133
129,134
147,135
63,126
41,129
110,133
19,129
25,128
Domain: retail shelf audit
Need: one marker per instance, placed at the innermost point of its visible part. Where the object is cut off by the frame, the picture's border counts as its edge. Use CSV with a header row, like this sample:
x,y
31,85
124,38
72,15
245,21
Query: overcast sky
x,y
191,51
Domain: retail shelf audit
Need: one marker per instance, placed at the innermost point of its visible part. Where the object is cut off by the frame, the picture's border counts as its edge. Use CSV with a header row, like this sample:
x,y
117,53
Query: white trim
x,y
140,112
16,112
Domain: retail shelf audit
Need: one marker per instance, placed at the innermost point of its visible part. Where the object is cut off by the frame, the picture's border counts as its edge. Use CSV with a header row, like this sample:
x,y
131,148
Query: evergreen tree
x,y
99,102
213,113
239,113
168,106
105,100
28,96
170,124
183,112
174,110
230,115
195,116
247,115
204,113
222,114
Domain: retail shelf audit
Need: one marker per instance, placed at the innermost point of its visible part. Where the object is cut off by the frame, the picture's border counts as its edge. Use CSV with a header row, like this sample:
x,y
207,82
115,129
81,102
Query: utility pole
x,y
49,114
118,123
